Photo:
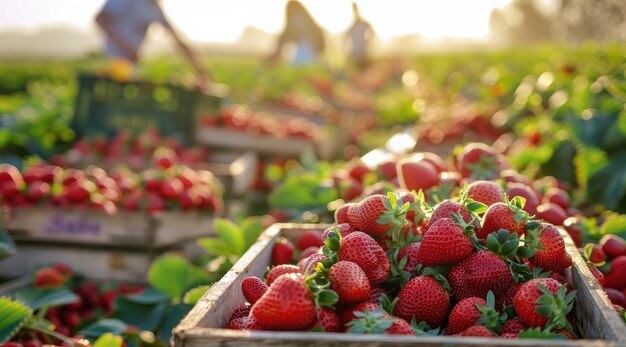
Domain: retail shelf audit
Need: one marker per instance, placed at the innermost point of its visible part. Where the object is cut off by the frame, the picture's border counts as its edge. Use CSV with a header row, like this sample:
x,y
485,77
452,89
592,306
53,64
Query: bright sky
x,y
223,21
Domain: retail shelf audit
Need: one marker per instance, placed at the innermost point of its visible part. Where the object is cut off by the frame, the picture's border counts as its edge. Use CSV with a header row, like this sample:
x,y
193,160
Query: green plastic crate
x,y
104,106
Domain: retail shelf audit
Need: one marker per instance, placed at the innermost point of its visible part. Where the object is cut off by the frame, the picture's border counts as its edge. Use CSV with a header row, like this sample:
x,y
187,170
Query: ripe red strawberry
x,y
568,334
171,188
278,270
513,326
367,215
416,175
349,281
49,278
616,276
310,262
327,320
551,213
378,322
506,298
347,314
350,189
447,208
435,160
435,245
574,227
358,170
478,274
508,336
613,245
425,299
307,253
253,288
594,253
615,296
411,253
344,230
282,253
476,330
502,215
310,238
287,305
542,302
478,160
596,273
341,214
245,323
376,294
526,192
557,196
464,314
240,311
553,256
387,170
363,250
487,192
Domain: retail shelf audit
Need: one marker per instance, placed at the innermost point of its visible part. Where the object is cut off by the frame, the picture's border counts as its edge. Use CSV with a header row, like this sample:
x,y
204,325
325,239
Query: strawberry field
x,y
441,197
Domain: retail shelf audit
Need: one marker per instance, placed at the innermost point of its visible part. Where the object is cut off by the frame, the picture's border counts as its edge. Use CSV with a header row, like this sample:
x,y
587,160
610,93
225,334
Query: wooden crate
x,y
261,144
123,229
203,326
98,263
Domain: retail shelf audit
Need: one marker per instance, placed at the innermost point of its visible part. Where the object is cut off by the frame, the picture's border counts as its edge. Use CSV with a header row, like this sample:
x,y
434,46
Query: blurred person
x,y
301,30
125,23
358,39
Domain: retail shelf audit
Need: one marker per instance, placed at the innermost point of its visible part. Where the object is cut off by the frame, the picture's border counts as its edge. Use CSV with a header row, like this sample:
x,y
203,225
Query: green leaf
x,y
588,161
7,247
476,207
525,252
109,340
173,317
215,246
251,228
37,298
144,316
13,316
193,295
113,326
328,297
231,234
173,275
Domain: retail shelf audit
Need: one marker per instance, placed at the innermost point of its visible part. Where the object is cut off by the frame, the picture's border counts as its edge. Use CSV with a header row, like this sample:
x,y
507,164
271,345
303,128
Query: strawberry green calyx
x,y
516,205
587,250
419,207
556,307
435,273
370,322
508,246
538,333
485,168
318,282
490,318
622,315
398,277
423,329
387,304
394,214
468,228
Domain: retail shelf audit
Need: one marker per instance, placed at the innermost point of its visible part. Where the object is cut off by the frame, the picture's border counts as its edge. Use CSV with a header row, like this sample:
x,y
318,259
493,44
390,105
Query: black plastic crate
x,y
104,106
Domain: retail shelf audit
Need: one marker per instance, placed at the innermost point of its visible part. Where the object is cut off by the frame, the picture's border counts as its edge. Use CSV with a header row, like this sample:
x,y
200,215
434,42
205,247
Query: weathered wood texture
x,y
595,318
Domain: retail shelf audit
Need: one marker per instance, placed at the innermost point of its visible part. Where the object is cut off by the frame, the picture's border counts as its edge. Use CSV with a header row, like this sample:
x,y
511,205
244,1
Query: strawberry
x,y
416,175
344,230
476,330
376,294
613,245
596,273
435,160
347,314
287,305
574,227
447,208
424,299
508,336
358,170
341,214
435,245
240,311
278,270
568,334
309,263
616,276
378,322
478,274
49,278
327,320
253,288
552,255
543,302
350,189
551,213
557,196
245,323
282,253
526,192
464,314
309,238
377,214
615,296
506,298
487,192
513,326
504,215
411,253
595,254
349,281
478,160
363,250
387,170
307,253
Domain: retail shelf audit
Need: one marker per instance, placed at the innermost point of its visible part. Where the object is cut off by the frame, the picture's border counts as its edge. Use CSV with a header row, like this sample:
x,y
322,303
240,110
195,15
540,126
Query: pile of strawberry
x,y
477,266
609,256
153,190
